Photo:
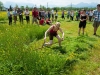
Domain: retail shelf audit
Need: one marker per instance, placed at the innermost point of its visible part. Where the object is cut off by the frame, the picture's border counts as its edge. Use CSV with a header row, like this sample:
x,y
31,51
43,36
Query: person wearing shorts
x,y
82,23
35,15
96,16
52,31
15,15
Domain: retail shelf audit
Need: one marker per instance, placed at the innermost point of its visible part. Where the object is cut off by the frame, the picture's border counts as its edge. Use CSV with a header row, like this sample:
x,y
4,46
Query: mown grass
x,y
20,53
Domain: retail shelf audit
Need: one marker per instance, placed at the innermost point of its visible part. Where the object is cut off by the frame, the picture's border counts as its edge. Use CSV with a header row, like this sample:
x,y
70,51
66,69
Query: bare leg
x,y
79,31
59,39
32,20
83,31
49,43
95,29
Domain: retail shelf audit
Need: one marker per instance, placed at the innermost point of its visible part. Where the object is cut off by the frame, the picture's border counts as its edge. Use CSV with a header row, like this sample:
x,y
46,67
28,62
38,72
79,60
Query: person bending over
x,y
52,31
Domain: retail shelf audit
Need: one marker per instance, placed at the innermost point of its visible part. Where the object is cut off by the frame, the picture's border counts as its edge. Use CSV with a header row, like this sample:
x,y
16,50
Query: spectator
x,y
96,16
63,15
15,15
82,24
42,21
72,15
27,13
9,14
52,13
48,21
90,15
20,13
49,14
56,15
35,15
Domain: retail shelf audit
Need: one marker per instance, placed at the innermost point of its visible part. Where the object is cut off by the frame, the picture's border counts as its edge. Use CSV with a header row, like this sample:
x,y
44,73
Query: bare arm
x,y
80,18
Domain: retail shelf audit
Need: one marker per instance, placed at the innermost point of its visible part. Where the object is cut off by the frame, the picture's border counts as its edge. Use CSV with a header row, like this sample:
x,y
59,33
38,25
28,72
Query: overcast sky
x,y
52,2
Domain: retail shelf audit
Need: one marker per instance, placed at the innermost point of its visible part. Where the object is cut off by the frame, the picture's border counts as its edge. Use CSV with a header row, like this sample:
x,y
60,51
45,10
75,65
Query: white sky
x,y
52,2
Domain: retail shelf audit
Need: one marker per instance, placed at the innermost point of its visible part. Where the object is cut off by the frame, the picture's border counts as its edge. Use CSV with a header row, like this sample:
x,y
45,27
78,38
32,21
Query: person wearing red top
x,y
53,32
35,15
48,21
42,21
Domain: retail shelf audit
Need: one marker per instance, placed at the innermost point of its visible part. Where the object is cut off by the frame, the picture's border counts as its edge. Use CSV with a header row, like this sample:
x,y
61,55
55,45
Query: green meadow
x,y
20,52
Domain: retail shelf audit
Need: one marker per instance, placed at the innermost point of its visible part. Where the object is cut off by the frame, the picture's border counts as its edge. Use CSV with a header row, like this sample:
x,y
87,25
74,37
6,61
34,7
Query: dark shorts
x,y
96,24
27,18
48,23
82,24
56,17
62,16
52,15
51,35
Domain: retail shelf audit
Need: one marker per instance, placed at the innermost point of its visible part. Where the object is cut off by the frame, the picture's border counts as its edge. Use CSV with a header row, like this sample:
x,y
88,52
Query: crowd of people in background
x,y
41,16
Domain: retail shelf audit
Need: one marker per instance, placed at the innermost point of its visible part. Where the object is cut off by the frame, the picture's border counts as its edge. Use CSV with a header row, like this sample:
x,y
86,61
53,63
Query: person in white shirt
x,y
72,15
52,13
56,15
9,14
90,15
27,13
15,15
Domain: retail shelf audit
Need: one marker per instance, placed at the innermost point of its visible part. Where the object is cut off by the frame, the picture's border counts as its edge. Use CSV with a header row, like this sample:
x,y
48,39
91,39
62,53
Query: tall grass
x,y
3,16
20,55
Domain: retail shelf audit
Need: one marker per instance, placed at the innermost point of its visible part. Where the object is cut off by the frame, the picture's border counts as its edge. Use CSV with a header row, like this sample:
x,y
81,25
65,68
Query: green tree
x,y
1,5
10,8
22,7
27,7
16,6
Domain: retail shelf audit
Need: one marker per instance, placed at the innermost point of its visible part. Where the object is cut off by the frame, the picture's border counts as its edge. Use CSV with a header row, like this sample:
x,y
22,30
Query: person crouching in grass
x,y
42,21
52,31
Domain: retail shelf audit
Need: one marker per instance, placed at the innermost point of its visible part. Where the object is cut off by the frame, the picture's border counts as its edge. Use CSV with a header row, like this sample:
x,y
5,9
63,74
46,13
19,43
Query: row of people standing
x,y
17,12
36,15
71,14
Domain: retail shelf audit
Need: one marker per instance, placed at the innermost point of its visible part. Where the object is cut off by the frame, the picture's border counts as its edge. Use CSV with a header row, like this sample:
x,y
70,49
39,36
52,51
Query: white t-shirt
x,y
52,12
91,13
27,13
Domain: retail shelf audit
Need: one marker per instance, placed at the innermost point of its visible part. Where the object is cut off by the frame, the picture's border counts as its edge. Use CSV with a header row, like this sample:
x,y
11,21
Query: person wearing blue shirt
x,y
15,15
96,15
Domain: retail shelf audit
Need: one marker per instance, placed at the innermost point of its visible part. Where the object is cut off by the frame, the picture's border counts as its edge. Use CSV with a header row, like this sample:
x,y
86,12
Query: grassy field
x,y
20,53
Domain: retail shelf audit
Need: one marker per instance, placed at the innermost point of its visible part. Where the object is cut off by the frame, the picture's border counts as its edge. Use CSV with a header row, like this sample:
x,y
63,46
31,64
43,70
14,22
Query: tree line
x,y
45,8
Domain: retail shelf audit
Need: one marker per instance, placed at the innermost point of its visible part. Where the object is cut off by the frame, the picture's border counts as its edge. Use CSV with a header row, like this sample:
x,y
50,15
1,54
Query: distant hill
x,y
79,5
